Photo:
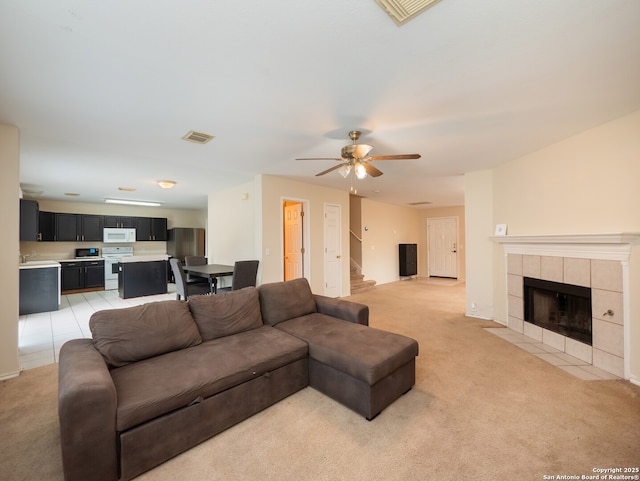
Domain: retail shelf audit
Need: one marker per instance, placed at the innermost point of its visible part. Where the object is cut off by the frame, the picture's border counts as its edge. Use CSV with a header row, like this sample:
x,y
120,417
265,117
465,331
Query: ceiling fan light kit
x,y
401,11
355,157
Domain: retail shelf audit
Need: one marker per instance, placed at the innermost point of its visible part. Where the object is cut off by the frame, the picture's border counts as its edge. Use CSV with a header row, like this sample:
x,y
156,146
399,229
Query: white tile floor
x,y
564,361
40,336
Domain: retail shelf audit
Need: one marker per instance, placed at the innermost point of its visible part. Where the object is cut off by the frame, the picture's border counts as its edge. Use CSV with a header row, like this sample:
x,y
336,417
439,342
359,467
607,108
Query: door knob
x,y
338,257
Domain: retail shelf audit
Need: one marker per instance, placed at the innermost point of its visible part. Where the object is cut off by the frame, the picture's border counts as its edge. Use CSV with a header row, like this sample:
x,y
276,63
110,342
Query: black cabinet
x,y
67,227
408,256
78,227
29,220
119,221
38,290
47,225
77,275
72,275
92,228
151,229
137,279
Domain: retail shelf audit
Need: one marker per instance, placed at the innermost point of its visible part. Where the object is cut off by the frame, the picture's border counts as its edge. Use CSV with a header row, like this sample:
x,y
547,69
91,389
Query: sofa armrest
x,y
87,412
345,310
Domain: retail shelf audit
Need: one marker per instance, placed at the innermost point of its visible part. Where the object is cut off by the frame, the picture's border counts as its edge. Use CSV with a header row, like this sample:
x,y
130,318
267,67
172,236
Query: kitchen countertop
x,y
39,264
146,258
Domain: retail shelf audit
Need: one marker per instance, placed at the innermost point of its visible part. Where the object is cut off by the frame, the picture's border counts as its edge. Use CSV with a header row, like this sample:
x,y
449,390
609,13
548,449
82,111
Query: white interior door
x,y
332,251
293,215
443,246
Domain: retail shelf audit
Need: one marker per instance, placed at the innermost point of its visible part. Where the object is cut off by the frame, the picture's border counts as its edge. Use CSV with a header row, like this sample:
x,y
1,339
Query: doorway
x,y
295,239
442,234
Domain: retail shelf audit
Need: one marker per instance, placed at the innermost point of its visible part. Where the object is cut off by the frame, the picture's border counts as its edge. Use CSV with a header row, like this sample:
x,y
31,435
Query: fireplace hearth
x,y
559,307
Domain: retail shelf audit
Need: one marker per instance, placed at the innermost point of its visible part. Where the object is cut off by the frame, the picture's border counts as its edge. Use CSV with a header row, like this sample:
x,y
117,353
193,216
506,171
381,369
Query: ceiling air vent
x,y
197,137
424,202
402,11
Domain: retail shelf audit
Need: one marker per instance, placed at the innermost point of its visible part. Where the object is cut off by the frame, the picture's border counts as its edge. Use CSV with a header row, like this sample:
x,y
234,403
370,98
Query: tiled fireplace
x,y
599,263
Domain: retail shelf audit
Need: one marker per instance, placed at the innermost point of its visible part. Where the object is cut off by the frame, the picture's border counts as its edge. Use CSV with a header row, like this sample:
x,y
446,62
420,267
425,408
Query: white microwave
x,y
114,234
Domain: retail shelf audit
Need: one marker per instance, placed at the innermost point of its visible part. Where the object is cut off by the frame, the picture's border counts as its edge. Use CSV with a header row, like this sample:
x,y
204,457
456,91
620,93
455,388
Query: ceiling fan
x,y
356,156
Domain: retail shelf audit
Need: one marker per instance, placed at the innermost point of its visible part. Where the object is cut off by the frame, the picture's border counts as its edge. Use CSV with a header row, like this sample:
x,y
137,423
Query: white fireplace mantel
x,y
615,246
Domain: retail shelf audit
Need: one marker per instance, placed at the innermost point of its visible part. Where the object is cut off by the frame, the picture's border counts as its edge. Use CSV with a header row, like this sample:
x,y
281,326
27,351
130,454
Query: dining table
x,y
211,272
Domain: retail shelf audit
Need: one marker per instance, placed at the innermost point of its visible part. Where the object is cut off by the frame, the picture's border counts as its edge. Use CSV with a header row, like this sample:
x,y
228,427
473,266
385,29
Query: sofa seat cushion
x,y
153,387
140,332
363,352
226,314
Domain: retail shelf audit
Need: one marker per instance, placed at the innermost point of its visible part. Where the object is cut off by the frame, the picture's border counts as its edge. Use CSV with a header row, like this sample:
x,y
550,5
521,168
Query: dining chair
x,y
195,261
245,274
185,290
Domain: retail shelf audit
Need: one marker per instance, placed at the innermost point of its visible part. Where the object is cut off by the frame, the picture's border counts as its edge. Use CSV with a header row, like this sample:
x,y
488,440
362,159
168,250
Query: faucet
x,y
27,256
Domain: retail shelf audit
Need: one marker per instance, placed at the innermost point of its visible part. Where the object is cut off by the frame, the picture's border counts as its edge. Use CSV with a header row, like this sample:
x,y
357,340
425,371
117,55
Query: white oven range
x,y
112,256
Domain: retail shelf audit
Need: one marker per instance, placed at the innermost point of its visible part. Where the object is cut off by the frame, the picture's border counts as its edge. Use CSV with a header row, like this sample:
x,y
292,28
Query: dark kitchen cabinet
x,y
47,225
78,275
159,228
78,227
119,221
92,228
29,220
151,229
38,290
67,227
137,279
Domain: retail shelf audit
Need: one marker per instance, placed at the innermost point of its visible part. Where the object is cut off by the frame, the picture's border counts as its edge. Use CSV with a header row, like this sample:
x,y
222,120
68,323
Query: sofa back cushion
x,y
281,301
134,333
226,314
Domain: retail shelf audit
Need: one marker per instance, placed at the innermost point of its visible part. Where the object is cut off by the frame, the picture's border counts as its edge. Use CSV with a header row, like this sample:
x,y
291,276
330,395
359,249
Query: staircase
x,y
357,281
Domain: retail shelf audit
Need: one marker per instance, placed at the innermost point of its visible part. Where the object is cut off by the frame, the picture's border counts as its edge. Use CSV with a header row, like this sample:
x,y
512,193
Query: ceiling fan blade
x,y
321,158
335,167
371,170
394,157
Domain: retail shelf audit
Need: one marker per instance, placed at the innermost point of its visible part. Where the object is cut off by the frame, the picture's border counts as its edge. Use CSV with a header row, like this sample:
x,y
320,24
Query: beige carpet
x,y
482,409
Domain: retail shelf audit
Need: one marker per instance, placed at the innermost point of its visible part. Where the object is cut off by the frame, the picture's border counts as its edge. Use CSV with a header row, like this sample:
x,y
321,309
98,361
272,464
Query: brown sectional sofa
x,y
158,379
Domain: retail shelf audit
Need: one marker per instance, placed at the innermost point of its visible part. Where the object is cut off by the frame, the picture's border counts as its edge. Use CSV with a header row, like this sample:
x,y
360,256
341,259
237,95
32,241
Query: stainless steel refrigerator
x,y
185,241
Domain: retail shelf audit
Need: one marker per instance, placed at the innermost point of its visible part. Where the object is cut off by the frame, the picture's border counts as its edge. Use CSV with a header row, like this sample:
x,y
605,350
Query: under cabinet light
x,y
133,202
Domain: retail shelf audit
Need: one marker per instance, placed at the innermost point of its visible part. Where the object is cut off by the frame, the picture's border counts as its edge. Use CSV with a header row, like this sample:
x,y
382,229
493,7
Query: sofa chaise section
x,y
365,369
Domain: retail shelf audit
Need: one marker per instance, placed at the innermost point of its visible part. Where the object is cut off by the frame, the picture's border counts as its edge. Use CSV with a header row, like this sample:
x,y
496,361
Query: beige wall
x,y
384,226
274,191
9,253
423,243
252,227
586,184
234,226
480,268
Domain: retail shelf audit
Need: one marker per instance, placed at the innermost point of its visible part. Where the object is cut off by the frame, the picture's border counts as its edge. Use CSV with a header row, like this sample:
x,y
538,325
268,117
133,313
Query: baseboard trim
x,y
10,375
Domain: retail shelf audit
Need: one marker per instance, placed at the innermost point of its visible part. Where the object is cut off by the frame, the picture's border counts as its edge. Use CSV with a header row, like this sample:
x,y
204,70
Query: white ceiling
x,y
102,92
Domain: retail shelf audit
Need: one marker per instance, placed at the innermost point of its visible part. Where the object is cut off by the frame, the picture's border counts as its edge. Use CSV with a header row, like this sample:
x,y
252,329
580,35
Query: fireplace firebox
x,y
562,308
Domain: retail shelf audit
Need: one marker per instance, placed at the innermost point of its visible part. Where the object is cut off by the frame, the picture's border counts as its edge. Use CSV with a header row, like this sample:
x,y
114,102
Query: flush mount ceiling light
x,y
401,11
166,184
197,137
132,202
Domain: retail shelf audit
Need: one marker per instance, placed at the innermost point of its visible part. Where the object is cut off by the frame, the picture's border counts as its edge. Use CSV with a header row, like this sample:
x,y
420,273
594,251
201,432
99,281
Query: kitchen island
x,y
39,287
142,276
